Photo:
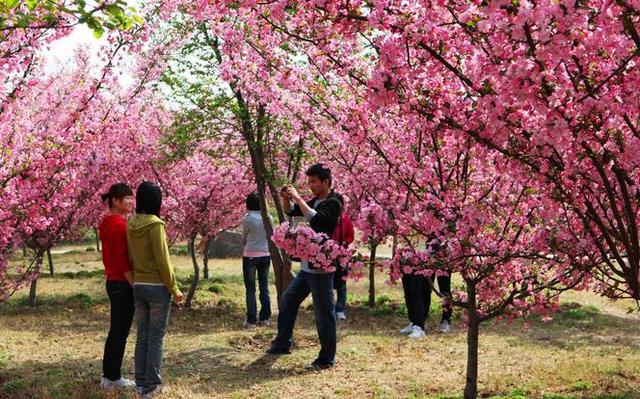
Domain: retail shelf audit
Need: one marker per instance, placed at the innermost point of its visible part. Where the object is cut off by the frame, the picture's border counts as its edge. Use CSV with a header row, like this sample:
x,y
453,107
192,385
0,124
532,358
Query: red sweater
x,y
113,234
344,232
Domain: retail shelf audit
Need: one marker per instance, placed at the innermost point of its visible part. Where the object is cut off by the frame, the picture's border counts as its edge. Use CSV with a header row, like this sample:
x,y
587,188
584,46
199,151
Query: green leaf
x,y
32,4
23,21
98,32
12,3
114,10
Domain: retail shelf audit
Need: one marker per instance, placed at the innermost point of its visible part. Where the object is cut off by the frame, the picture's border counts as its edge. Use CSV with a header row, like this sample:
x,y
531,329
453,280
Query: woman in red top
x,y
118,273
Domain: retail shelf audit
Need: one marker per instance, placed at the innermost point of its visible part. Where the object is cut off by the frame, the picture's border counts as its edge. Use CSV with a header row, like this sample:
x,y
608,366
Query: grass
x,y
591,349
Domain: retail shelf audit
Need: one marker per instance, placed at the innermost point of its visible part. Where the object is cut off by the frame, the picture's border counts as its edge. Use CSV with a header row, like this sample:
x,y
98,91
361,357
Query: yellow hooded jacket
x,y
149,252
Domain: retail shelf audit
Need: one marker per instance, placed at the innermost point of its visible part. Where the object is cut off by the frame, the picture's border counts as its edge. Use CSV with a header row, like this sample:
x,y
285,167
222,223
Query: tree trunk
x,y
34,282
281,265
196,273
372,276
471,387
24,251
97,239
205,259
50,259
394,247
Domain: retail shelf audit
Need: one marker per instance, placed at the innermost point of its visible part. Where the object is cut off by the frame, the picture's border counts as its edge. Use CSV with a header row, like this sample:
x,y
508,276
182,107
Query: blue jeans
x,y
340,286
249,268
321,288
153,304
341,301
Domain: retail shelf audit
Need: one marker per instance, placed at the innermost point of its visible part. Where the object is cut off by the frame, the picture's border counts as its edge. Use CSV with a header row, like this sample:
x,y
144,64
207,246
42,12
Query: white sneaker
x,y
407,330
341,316
153,393
249,326
106,383
417,332
445,327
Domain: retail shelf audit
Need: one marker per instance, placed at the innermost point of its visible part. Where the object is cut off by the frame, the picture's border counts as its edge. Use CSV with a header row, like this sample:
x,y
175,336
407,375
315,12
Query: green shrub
x,y
581,386
15,386
557,396
216,288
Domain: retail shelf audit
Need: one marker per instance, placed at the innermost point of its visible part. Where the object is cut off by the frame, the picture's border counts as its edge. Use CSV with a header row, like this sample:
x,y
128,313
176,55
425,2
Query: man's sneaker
x,y
264,323
341,316
278,350
417,333
106,383
407,330
318,366
445,327
154,392
249,326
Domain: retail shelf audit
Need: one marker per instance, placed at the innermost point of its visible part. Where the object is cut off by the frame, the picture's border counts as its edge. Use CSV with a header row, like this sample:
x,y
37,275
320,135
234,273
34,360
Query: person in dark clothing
x,y
119,279
417,296
343,235
322,212
444,285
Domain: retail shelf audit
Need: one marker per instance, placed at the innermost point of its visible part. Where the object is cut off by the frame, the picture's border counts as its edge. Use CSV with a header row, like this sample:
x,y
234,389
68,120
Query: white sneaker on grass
x,y
445,327
249,326
341,316
407,330
417,332
154,392
106,383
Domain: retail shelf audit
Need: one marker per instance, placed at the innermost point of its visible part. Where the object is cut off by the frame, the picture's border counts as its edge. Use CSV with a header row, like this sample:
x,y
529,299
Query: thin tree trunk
x,y
97,239
372,276
24,251
471,388
394,247
196,273
205,258
281,268
50,259
34,283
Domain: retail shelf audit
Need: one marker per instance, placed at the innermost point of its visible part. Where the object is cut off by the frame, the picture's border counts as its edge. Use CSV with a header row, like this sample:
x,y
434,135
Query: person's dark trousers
x,y
321,288
409,297
153,304
444,285
340,286
415,295
122,310
251,266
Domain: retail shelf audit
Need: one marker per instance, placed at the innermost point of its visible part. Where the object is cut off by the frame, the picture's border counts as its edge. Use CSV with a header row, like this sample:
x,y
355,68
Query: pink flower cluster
x,y
304,243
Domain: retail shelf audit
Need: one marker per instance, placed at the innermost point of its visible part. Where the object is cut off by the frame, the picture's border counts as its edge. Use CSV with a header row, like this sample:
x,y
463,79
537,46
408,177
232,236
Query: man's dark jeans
x,y
321,288
251,266
122,310
340,286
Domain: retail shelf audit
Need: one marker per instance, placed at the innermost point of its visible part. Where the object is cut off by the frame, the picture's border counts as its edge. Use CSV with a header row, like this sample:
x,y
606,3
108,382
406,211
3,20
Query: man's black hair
x,y
321,171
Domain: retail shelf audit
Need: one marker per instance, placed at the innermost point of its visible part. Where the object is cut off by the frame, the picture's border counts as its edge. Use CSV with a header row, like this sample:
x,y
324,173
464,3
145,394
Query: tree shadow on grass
x,y
576,326
221,370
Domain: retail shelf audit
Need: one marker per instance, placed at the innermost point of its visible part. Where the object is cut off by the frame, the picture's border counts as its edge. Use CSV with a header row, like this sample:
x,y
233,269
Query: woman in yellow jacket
x,y
154,283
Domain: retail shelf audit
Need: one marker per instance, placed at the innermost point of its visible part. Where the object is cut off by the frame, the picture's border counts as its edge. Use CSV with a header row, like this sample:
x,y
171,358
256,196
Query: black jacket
x,y
327,216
